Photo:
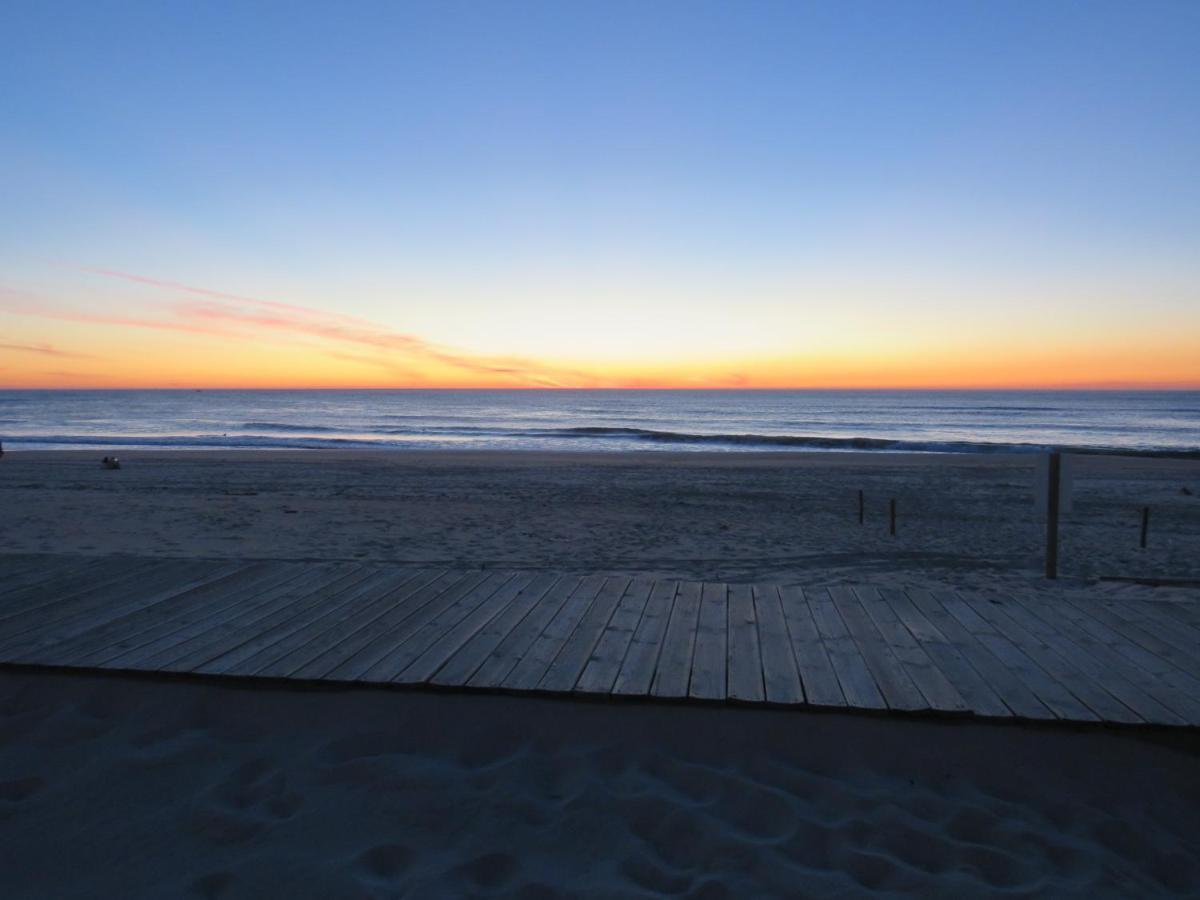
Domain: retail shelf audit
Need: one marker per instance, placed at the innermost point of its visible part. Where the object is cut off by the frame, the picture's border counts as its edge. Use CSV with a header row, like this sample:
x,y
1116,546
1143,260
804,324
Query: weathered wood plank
x,y
391,631
414,641
1057,665
744,681
948,653
69,620
501,661
1175,687
1127,682
709,659
675,661
252,656
440,650
600,673
890,675
563,673
465,661
938,690
326,634
367,625
1176,640
1057,698
34,604
210,640
781,678
853,674
818,677
641,659
120,636
528,672
41,577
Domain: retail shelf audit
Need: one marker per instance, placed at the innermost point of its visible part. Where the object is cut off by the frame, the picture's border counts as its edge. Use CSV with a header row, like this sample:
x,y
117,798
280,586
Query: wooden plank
x,y
144,626
641,658
42,575
16,564
674,670
77,571
1185,611
600,673
744,665
321,636
781,678
209,640
891,677
1174,686
1015,692
935,687
253,655
465,661
1057,665
393,631
563,673
529,671
853,674
1057,698
346,653
818,678
501,661
452,639
69,620
414,644
1177,639
949,654
1130,684
34,603
712,635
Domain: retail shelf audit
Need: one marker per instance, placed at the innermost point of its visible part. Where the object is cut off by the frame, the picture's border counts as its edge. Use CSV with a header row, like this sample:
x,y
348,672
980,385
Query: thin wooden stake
x,y
860,507
892,524
1145,524
1052,482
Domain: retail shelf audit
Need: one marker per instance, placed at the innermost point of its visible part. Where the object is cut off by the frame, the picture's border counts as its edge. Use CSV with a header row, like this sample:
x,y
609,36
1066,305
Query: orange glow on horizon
x,y
191,337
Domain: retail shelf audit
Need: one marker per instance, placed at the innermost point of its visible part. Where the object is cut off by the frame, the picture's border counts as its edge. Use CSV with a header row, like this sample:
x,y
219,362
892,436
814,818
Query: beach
x,y
966,519
149,786
119,787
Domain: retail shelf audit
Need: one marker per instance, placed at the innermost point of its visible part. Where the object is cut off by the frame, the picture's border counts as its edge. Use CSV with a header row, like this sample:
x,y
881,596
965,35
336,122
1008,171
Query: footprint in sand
x,y
254,797
385,864
18,790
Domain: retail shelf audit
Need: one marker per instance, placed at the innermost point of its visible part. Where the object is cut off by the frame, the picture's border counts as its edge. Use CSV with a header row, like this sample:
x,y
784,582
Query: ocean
x,y
1143,422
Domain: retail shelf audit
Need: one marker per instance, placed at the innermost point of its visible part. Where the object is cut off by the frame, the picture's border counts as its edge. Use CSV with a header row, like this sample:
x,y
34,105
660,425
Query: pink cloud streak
x,y
230,315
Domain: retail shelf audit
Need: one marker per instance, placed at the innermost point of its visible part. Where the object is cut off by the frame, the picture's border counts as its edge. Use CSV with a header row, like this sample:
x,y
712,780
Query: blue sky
x,y
506,177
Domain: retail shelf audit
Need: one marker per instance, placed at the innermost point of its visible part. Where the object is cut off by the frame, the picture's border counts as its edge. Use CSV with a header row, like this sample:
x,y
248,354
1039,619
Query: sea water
x,y
1152,422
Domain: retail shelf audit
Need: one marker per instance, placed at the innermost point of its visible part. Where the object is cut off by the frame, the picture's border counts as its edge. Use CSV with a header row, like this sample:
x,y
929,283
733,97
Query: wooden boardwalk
x,y
880,649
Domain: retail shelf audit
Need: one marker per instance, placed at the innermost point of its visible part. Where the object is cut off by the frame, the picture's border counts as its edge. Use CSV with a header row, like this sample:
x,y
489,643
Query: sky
x,y
600,194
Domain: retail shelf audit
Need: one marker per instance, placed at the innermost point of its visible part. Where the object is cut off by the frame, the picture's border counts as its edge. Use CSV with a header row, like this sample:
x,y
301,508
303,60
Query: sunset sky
x,y
605,194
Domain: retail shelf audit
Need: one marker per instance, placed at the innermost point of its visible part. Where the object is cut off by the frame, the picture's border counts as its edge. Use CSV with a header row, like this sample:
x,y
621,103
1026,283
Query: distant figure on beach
x,y
1,451
110,462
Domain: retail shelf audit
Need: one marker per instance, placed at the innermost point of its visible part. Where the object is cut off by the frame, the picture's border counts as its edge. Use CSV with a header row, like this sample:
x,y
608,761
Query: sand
x,y
968,520
130,788
118,787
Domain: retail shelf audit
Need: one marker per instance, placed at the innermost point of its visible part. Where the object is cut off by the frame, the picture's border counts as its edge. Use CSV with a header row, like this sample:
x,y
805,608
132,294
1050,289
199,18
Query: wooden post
x,y
1145,524
892,523
860,507
1052,483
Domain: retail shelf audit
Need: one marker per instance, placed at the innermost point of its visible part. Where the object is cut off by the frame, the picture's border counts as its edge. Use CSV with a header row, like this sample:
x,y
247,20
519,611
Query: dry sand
x,y
967,520
125,788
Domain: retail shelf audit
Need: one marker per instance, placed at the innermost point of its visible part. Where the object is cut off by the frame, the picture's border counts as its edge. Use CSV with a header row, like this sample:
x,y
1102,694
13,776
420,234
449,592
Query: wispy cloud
x,y
226,314
42,350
